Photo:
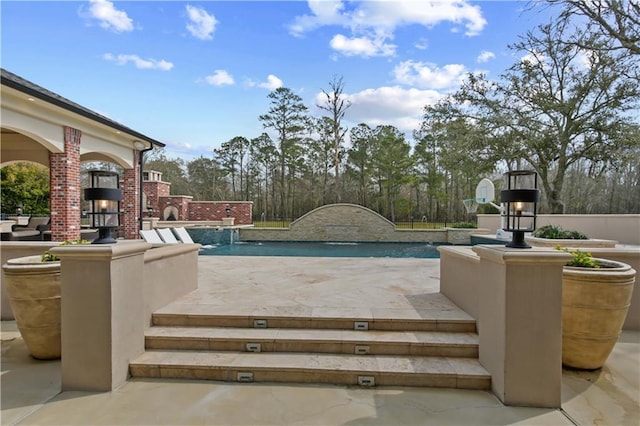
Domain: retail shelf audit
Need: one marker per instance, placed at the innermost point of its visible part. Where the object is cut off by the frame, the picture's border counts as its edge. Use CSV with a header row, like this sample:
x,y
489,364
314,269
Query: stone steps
x,y
433,349
338,369
447,321
372,342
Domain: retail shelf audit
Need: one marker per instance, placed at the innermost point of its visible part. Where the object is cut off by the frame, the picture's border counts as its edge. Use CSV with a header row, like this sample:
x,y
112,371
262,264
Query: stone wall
x,y
353,223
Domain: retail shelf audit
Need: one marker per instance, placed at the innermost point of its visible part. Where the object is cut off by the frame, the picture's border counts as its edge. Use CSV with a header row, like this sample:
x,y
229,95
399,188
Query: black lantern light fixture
x,y
104,195
519,205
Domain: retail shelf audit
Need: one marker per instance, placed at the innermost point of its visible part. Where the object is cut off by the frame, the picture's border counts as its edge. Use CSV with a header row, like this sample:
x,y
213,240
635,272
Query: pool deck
x,y
31,389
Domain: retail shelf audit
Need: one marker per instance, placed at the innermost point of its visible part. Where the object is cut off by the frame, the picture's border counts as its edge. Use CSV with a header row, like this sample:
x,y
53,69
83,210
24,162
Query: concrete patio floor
x,y
31,389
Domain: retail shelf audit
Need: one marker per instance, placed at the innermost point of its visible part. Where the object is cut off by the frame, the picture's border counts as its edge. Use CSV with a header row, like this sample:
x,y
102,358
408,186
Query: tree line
x,y
567,108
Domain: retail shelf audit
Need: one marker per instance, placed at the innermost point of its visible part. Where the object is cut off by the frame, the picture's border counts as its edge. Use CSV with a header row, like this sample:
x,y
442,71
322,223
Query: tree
x,y
617,19
391,163
287,116
359,160
204,176
173,170
25,186
231,155
336,105
559,104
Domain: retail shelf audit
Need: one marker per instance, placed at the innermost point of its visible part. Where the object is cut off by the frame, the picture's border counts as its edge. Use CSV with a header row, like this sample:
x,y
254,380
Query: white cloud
x,y
391,105
361,46
430,76
109,17
220,78
422,44
377,20
201,24
139,62
485,56
272,83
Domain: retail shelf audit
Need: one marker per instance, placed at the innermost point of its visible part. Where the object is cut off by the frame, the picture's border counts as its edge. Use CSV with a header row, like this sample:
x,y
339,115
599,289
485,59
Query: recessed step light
x,y
362,350
244,376
361,325
366,381
260,323
253,347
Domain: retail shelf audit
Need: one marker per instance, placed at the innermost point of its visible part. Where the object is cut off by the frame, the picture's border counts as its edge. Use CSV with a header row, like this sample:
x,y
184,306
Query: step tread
x,y
258,335
356,314
305,362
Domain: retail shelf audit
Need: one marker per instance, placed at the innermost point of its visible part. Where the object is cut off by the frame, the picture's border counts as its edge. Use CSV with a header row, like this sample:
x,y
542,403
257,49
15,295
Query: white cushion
x,y
183,235
167,236
151,236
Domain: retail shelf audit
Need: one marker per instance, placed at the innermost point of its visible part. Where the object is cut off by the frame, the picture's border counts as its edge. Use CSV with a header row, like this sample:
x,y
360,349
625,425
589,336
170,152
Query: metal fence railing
x,y
411,224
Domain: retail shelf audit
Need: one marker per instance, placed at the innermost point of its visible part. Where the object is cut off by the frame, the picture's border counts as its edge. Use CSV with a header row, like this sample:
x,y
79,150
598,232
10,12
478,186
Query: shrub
x,y
580,258
464,225
554,232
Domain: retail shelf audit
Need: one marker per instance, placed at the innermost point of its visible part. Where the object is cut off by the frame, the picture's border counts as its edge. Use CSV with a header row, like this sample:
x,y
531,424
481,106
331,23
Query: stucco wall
x,y
624,228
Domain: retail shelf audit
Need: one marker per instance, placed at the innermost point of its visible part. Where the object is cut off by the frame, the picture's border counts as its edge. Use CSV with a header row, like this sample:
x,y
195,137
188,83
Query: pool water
x,y
322,249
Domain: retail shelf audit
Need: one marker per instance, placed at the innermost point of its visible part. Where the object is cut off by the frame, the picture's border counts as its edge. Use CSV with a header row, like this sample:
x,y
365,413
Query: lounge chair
x,y
167,236
32,231
183,235
151,236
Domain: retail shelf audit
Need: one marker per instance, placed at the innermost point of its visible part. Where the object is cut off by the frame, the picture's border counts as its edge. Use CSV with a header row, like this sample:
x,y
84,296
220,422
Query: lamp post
x,y
519,202
104,210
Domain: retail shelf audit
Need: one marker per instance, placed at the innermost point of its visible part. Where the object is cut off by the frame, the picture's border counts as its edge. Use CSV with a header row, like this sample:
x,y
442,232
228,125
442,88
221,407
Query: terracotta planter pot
x,y
33,287
594,307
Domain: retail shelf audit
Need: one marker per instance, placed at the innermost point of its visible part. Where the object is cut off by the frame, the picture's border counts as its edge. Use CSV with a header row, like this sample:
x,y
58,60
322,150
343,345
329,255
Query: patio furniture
x,y
167,236
150,236
183,235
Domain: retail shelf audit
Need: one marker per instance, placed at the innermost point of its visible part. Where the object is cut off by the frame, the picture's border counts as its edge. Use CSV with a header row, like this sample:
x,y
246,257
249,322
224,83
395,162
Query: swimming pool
x,y
323,249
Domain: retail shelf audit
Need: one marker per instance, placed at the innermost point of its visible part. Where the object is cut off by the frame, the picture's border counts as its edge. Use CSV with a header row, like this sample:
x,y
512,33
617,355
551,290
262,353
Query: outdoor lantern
x,y
104,195
519,205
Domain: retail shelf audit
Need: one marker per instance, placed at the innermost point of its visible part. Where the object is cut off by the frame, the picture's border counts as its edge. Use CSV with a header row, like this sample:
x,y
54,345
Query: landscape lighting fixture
x,y
519,205
105,196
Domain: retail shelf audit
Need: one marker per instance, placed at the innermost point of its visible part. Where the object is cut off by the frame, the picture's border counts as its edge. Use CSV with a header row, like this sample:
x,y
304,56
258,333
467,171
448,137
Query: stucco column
x,y
131,199
520,323
64,173
102,313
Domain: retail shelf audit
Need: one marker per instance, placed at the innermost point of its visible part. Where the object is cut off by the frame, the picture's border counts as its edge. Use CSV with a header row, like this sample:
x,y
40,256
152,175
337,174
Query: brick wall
x,y
242,211
159,199
153,190
64,172
180,204
130,200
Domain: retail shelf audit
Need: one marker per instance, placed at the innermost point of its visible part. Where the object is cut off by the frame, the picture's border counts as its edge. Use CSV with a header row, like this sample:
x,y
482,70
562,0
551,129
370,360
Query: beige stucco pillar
x,y
520,323
102,313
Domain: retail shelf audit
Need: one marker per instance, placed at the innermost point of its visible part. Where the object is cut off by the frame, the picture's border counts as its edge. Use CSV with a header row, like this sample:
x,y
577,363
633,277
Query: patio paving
x,y
31,389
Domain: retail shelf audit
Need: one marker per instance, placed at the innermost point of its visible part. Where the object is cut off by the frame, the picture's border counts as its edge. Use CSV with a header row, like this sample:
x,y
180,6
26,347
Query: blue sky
x,y
194,74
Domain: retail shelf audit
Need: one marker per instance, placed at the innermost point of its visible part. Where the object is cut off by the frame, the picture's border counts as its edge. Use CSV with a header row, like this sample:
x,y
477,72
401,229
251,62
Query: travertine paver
x,y
29,396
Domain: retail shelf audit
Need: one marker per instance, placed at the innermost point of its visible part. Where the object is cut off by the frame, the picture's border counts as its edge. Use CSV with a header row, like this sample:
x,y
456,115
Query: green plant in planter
x,y
47,256
557,233
580,258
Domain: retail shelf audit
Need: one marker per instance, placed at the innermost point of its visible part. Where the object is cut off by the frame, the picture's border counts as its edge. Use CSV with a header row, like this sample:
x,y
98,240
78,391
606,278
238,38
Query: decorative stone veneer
x,y
353,223
64,173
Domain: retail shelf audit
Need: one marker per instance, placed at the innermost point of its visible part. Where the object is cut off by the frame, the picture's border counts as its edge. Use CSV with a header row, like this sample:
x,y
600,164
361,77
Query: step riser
x,y
314,323
463,351
317,377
